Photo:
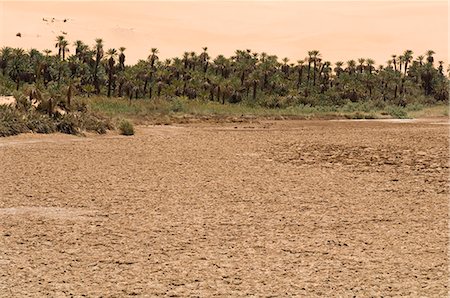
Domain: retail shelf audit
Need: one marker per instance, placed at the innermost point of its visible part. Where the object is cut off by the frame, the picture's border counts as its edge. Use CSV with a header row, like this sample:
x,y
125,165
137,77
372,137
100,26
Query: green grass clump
x,y
397,112
126,128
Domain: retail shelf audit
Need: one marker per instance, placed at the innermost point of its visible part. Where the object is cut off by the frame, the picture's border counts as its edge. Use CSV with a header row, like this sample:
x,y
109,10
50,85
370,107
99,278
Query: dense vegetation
x,y
247,78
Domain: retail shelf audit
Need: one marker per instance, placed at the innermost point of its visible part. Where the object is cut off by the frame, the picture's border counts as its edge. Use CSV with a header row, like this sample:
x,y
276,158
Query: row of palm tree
x,y
245,76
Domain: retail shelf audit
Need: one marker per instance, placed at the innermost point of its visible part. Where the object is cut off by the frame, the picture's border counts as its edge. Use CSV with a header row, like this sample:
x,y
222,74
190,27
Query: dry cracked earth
x,y
283,208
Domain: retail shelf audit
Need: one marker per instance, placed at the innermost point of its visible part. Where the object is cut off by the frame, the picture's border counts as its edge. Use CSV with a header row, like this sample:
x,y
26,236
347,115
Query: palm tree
x,y
361,64
122,58
351,66
5,57
98,57
300,72
285,66
420,59
193,59
394,60
153,56
111,56
315,56
370,63
254,80
441,67
389,63
80,49
310,59
204,57
61,44
407,57
338,69
18,66
430,58
401,59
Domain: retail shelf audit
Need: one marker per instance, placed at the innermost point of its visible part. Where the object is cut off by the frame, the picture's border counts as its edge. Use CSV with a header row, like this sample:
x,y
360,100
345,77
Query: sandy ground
x,y
7,100
292,208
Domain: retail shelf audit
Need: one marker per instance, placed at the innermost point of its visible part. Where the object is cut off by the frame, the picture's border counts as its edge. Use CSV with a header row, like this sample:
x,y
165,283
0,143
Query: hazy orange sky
x,y
339,30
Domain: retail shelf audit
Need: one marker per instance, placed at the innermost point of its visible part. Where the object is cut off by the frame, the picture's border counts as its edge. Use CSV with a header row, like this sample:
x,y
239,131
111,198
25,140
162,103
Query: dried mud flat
x,y
291,208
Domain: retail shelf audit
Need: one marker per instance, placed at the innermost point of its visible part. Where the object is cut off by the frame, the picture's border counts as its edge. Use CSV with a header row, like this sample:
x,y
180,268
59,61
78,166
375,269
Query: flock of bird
x,y
49,21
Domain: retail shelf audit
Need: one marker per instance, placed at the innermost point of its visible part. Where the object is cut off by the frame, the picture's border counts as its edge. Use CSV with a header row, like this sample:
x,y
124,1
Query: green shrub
x,y
68,124
177,105
40,123
397,112
11,122
92,122
126,128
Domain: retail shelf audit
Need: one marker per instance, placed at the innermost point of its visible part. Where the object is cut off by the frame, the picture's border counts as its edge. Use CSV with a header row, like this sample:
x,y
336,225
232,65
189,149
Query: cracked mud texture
x,y
289,208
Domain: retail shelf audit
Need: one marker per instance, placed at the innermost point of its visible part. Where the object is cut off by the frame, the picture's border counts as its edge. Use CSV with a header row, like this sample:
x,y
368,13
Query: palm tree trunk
x,y
299,80
110,78
314,72
145,86
211,94
309,72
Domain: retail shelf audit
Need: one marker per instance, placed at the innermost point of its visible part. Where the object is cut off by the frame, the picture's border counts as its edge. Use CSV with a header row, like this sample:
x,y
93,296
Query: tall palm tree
x,y
300,72
401,59
315,57
80,49
18,66
204,57
338,69
394,60
370,63
351,66
111,56
441,67
153,56
98,57
122,58
420,59
285,67
407,57
430,58
61,45
5,57
361,64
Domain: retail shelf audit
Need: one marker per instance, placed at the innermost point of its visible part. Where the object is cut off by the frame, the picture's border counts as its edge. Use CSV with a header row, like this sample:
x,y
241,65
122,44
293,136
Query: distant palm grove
x,y
254,78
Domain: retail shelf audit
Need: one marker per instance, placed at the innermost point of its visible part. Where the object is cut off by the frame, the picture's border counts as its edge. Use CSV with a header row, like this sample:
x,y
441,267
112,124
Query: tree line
x,y
246,76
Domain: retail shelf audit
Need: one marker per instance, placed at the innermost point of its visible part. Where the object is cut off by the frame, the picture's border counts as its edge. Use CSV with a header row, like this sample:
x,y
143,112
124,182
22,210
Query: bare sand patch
x,y
7,100
50,212
281,208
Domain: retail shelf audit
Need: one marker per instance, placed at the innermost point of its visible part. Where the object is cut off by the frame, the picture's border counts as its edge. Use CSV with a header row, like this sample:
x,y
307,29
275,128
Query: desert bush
x,y
68,124
177,105
40,123
270,102
11,122
92,122
7,86
397,112
22,102
126,128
